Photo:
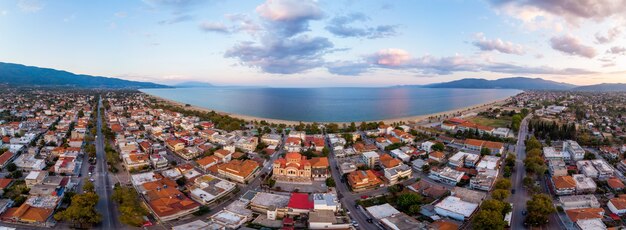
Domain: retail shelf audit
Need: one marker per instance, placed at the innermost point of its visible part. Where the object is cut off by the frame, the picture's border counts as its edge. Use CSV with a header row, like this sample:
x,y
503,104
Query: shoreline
x,y
410,119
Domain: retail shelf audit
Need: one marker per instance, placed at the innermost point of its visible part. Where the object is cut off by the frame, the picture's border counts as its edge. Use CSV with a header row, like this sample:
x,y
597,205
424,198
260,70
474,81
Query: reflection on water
x,y
332,104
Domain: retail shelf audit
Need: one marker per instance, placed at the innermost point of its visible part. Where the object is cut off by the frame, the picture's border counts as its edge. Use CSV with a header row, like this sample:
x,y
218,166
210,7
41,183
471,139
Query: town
x,y
121,159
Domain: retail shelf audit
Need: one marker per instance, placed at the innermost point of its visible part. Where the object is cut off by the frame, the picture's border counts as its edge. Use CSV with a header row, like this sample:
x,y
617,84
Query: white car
x,y
92,180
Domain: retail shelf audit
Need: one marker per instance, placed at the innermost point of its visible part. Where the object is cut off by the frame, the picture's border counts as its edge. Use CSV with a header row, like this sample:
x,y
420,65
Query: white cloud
x,y
572,46
498,45
30,6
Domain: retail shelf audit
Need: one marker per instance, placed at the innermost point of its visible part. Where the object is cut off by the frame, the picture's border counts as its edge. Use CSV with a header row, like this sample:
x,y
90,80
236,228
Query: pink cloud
x,y
392,57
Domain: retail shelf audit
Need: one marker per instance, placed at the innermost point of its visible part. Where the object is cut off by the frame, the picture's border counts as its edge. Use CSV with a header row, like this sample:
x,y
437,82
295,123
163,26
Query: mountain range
x,y
21,75
505,83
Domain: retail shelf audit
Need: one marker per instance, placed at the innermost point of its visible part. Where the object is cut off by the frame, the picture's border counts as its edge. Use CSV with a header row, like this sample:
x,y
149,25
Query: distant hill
x,y
605,87
193,84
21,75
504,83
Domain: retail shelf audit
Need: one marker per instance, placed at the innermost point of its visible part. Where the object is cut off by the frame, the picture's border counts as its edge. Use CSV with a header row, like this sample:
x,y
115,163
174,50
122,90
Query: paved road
x,y
521,195
102,184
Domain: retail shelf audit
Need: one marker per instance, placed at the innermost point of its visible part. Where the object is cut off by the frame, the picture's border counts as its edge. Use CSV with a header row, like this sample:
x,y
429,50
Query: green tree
x,y
500,194
405,201
11,167
488,220
485,151
438,147
81,212
516,121
131,211
532,143
88,186
503,183
539,208
330,182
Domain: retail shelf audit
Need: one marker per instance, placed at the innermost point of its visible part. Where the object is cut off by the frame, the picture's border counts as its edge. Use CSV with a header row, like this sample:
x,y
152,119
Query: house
x,y
397,153
363,179
27,214
550,153
564,185
175,145
206,162
136,161
455,208
35,177
320,168
573,148
437,156
473,145
446,175
293,144
397,173
584,213
271,139
495,148
461,159
158,161
427,146
617,205
579,201
166,201
326,201
206,189
6,158
239,171
428,189
584,184
615,184
371,158
224,155
326,219
557,168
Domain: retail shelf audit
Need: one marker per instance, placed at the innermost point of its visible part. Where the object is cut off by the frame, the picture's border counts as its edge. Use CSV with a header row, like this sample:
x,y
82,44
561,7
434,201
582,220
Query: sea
x,y
331,104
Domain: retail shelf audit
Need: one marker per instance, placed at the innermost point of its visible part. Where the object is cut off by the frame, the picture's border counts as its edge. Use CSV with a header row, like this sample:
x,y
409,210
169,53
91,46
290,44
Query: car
x,y
370,220
512,191
364,197
524,213
92,180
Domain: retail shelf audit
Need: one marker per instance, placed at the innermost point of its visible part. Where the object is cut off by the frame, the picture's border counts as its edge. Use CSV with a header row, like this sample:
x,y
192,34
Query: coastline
x,y
411,119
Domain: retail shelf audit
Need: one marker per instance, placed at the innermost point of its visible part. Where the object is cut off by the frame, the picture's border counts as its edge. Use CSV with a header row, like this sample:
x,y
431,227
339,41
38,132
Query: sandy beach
x,y
413,119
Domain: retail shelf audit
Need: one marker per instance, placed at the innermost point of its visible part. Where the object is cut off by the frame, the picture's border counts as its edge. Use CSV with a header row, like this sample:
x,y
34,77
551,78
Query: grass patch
x,y
503,121
374,201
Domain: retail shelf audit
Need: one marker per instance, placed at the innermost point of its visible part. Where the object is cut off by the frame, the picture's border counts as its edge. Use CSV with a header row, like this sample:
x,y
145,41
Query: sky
x,y
308,43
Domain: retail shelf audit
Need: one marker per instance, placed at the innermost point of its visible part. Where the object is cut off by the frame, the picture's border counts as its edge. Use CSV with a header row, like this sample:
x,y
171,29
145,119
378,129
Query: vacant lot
x,y
503,121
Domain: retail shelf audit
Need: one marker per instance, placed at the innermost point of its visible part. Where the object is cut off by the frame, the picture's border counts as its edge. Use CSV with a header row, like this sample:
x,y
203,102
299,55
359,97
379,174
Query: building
x,y
397,153
382,211
206,162
550,153
437,156
573,148
326,219
461,159
326,201
397,173
584,184
320,168
136,161
293,168
446,175
175,145
166,201
206,189
579,201
239,171
557,167
564,185
158,161
271,139
591,224
584,214
262,202
228,219
617,205
35,177
371,158
455,208
363,179
427,146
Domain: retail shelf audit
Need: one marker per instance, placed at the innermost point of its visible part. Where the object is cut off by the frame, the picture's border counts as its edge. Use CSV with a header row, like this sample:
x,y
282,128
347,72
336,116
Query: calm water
x,y
332,104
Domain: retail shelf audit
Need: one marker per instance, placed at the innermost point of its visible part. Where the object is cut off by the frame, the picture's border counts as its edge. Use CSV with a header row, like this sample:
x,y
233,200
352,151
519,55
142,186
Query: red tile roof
x,y
300,201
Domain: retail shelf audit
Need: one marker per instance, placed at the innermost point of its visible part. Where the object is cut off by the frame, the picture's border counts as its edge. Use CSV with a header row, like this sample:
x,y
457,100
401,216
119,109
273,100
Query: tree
x,y
539,208
438,147
500,194
11,167
405,201
131,211
516,121
330,182
532,143
393,189
88,186
81,212
485,151
503,184
488,220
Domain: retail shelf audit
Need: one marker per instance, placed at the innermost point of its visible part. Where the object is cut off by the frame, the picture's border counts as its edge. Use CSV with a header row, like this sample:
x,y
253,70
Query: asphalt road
x,y
521,195
102,184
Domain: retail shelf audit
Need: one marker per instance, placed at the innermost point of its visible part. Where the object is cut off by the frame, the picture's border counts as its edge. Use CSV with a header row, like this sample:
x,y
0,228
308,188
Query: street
x,y
103,186
521,195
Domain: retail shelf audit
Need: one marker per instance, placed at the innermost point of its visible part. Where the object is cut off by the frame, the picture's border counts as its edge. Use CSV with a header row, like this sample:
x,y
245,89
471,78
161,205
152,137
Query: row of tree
x,y
552,130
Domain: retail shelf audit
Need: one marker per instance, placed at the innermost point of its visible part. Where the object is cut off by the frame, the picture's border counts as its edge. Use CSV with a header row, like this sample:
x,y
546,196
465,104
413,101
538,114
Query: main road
x,y
521,195
103,187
